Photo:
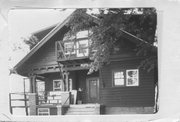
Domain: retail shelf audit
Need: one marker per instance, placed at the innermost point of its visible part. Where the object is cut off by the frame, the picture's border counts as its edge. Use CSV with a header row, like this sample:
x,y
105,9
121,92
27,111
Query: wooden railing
x,y
58,97
18,97
75,53
32,101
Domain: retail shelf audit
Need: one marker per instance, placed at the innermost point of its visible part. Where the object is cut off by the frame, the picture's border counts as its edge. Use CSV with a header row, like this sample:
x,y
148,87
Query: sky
x,y
23,22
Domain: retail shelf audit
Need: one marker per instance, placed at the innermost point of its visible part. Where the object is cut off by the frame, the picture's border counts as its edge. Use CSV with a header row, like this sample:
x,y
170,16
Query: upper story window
x,y
78,45
128,77
82,48
69,48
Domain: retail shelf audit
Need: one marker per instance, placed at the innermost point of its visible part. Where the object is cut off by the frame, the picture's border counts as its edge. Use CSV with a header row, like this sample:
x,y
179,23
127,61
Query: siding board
x,y
136,96
45,56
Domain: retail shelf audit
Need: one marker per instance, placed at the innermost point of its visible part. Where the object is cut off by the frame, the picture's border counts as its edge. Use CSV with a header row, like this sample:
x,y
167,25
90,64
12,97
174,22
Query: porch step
x,y
84,109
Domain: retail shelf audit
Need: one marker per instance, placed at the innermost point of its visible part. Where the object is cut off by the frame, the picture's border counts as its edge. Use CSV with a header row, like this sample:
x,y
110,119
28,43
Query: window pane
x,y
118,75
82,48
132,77
132,73
69,47
57,85
118,82
118,78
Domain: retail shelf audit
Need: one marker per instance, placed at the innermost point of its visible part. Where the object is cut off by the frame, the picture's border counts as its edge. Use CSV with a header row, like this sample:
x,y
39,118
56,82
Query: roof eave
x,y
42,42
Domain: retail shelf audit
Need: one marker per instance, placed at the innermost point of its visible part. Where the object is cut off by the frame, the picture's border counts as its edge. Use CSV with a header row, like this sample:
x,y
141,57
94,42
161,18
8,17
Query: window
x,y
69,48
132,78
58,85
128,77
82,48
118,78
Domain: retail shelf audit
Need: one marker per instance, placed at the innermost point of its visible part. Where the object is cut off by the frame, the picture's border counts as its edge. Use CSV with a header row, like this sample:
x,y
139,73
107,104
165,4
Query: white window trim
x,y
136,77
125,71
114,78
61,85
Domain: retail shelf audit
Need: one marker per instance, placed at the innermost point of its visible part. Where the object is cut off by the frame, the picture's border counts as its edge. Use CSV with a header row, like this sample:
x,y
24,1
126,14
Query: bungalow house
x,y
119,87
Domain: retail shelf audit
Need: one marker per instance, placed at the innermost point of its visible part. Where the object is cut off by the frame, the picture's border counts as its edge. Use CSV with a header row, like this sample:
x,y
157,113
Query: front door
x,y
93,90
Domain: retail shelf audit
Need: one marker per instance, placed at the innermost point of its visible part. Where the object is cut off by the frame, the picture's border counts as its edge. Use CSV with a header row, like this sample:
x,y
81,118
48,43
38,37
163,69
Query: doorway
x,y
93,90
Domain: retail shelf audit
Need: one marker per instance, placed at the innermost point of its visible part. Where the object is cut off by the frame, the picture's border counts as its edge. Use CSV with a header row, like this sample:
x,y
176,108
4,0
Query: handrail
x,y
61,50
20,93
44,97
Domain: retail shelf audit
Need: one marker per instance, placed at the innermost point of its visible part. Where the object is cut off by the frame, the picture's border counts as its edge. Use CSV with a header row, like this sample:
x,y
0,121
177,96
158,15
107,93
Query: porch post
x,y
32,96
32,84
66,81
32,103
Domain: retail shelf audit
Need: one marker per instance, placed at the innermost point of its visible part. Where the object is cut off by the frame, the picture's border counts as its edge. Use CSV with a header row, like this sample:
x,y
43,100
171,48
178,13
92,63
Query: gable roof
x,y
54,29
42,42
40,34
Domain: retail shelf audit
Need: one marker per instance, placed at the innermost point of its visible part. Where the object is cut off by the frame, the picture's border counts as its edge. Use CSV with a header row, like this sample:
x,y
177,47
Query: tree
x,y
31,41
106,26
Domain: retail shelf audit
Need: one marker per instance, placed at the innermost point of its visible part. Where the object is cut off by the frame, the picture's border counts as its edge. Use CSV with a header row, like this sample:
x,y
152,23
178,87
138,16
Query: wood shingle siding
x,y
127,96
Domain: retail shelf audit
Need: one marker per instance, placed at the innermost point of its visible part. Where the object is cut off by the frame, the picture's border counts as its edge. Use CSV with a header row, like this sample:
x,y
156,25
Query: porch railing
x,y
61,98
74,53
31,101
18,98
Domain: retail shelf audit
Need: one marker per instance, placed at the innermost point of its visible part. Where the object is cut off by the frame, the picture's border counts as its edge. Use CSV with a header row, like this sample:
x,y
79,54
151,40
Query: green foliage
x,y
106,26
31,41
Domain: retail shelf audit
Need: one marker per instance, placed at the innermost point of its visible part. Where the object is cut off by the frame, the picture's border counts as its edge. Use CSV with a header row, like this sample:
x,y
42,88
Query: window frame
x,y
86,48
128,77
61,86
113,78
73,45
125,78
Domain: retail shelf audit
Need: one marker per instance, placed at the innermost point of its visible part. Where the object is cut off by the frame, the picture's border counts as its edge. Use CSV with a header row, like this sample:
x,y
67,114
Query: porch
x,y
51,95
59,103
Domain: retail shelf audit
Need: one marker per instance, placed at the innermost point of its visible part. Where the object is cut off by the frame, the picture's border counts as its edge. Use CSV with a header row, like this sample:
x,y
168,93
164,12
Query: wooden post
x,y
67,81
11,111
33,84
32,95
26,107
32,103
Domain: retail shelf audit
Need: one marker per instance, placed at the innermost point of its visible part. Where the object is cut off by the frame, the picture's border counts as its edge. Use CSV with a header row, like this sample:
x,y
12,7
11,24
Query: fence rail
x,y
13,98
